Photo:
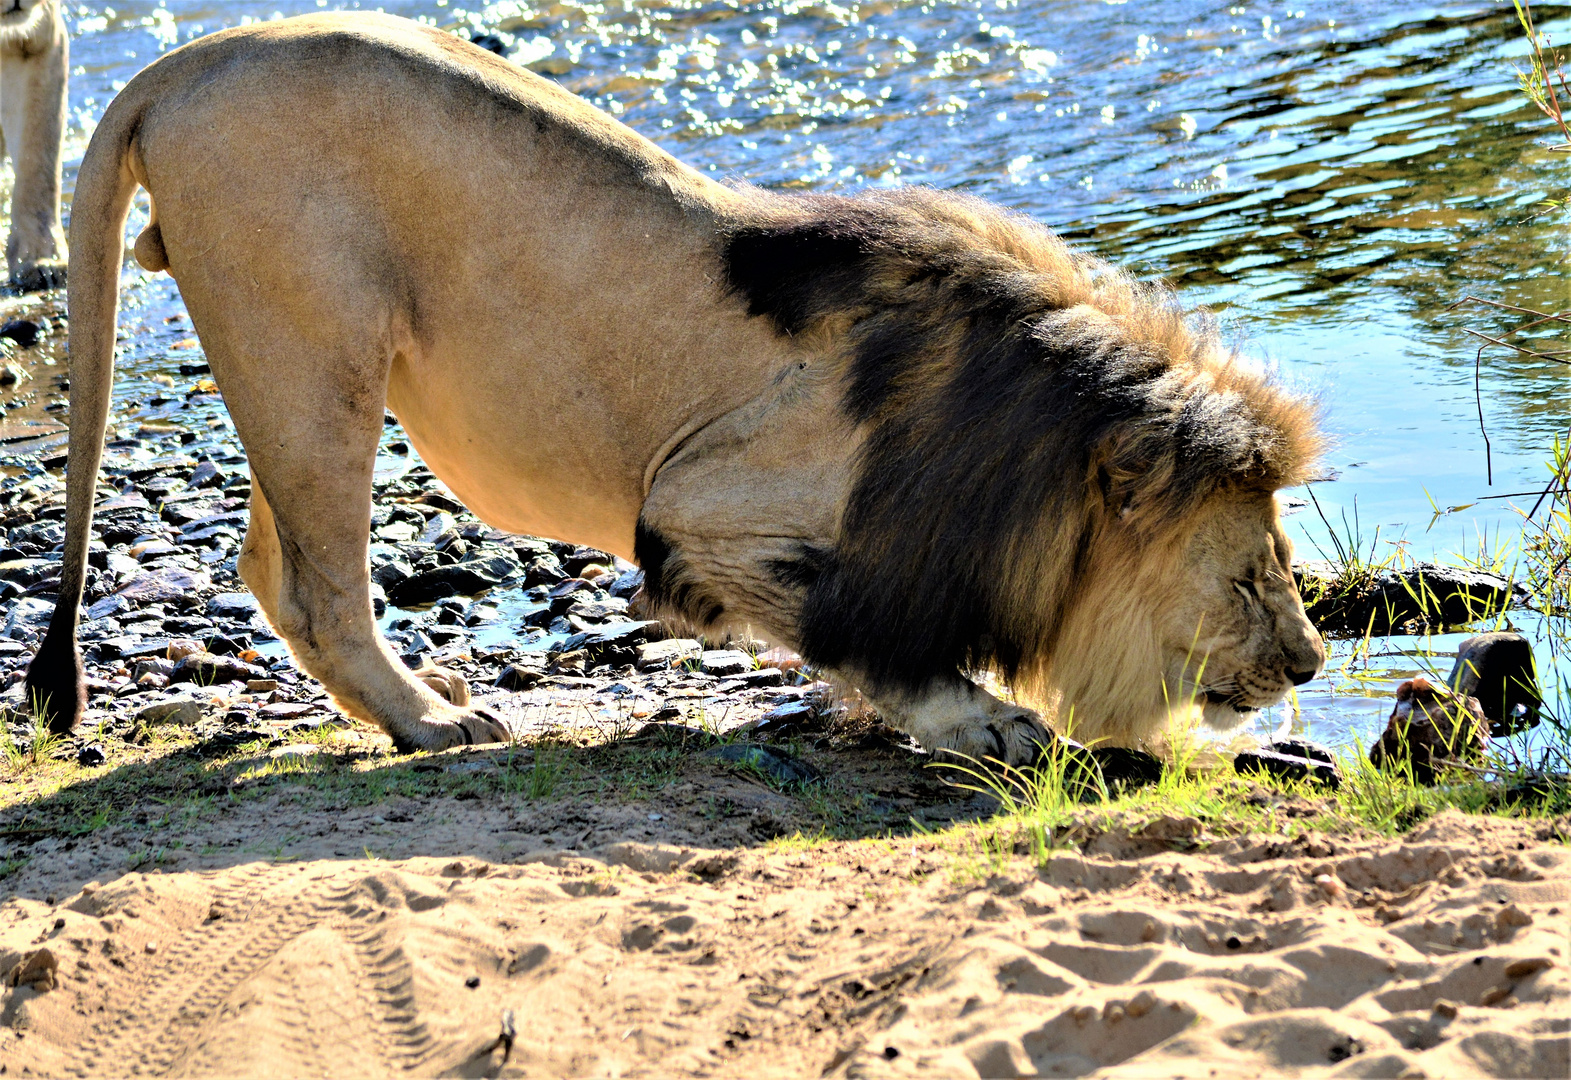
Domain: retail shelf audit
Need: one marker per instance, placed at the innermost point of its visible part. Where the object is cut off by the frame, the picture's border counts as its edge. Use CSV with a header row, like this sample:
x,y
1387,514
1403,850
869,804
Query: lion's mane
x,y
1041,429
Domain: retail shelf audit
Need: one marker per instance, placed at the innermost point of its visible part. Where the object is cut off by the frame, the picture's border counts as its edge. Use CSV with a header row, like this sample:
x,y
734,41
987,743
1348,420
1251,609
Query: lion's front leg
x,y
954,717
32,114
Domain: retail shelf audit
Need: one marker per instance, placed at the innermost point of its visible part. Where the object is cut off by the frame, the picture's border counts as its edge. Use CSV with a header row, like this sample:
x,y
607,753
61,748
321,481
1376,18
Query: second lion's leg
x,y
310,423
32,112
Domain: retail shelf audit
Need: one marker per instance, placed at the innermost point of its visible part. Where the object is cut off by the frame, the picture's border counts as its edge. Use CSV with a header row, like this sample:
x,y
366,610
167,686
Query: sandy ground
x,y
466,938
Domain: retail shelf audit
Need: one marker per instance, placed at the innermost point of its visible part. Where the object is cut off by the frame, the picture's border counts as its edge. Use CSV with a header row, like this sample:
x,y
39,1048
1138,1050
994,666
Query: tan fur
x,y
34,62
361,212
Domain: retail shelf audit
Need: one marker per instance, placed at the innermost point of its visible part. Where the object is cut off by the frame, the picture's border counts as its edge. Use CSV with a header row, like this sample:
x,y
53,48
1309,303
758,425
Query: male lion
x,y
907,434
35,56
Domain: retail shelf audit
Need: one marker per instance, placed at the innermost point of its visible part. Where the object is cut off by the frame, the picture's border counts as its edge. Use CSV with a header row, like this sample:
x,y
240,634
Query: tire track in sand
x,y
175,1011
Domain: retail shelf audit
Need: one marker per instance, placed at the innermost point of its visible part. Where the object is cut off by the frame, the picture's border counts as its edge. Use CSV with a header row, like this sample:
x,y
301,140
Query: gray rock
x,y
663,654
766,762
207,475
720,662
109,605
240,606
165,585
177,710
517,677
27,615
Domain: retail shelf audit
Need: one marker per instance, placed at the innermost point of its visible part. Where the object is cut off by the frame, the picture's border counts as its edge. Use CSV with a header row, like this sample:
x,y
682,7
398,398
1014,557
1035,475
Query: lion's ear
x,y
1130,470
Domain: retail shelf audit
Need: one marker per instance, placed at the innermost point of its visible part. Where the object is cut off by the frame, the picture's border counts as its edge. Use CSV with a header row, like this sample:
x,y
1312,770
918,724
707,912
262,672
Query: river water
x,y
1330,177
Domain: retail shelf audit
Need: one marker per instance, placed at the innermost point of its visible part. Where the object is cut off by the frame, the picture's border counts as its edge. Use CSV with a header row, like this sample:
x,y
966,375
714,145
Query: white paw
x,y
467,727
1014,738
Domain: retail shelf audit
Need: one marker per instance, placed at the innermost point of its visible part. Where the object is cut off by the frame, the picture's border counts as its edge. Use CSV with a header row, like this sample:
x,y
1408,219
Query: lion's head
x,y
1061,477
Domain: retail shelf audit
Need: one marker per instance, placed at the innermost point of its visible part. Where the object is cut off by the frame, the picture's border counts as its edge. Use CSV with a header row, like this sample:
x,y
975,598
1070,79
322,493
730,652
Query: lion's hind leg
x,y
310,427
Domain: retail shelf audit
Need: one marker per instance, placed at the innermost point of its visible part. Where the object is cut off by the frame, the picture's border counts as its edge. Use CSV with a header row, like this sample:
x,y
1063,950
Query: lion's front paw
x,y
1011,735
462,727
449,684
35,274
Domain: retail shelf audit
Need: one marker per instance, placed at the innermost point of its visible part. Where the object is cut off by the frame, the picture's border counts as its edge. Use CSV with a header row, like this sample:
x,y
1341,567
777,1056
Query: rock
x,y
726,662
626,585
24,332
1429,726
1291,759
390,573
207,475
788,719
37,969
25,571
516,677
656,655
184,711
286,710
460,579
581,557
1434,595
109,605
542,570
165,585
11,374
762,678
207,669
1125,768
616,644
91,756
1498,670
771,764
26,616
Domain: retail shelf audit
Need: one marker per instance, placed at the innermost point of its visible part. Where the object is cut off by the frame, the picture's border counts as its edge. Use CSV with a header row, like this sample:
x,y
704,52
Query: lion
x,y
907,434
35,57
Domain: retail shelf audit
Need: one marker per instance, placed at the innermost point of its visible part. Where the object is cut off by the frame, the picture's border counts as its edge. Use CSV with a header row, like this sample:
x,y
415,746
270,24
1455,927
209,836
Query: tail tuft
x,y
56,683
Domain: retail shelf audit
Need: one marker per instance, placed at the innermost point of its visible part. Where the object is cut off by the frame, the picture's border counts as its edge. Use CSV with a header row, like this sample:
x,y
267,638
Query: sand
x,y
1151,949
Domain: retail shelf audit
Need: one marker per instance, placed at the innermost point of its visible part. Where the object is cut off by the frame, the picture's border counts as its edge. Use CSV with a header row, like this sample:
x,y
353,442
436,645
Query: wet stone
x,y
1498,670
1292,759
25,332
1430,726
459,579
207,475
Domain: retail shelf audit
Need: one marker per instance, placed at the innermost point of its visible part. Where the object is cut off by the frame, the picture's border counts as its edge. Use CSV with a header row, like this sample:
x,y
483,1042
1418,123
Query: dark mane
x,y
1022,404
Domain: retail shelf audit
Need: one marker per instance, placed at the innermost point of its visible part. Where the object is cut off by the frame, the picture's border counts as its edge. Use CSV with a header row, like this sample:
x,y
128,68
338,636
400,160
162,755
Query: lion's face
x,y
1238,639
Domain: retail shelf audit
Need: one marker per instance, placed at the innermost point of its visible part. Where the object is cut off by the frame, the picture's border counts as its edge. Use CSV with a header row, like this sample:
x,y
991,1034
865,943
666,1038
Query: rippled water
x,y
1332,177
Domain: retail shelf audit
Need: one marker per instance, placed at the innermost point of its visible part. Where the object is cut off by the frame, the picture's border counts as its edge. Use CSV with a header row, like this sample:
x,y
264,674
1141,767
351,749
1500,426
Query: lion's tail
x,y
56,684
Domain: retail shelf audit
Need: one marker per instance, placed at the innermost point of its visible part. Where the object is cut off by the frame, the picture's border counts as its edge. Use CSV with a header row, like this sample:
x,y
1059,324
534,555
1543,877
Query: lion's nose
x,y
1301,677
